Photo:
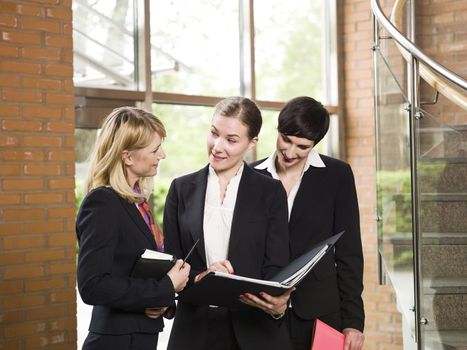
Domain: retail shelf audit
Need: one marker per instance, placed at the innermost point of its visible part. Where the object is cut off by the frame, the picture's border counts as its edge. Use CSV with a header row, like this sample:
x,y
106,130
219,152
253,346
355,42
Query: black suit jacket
x,y
258,248
325,204
112,234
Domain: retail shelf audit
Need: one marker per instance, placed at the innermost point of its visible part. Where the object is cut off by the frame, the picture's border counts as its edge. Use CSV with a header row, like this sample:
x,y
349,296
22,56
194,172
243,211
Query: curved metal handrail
x,y
425,72
430,70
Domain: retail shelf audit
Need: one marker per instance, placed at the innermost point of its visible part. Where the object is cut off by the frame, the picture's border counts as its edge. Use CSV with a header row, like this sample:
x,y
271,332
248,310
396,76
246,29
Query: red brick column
x,y
383,328
37,203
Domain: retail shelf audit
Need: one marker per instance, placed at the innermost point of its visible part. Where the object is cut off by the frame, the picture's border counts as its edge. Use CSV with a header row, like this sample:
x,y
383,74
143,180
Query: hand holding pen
x,y
178,275
189,252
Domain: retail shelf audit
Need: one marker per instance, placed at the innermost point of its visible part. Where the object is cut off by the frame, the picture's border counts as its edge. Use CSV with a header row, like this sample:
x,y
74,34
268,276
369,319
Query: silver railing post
x,y
414,101
375,48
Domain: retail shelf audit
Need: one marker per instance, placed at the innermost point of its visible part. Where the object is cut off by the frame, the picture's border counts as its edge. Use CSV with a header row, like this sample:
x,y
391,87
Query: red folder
x,y
326,338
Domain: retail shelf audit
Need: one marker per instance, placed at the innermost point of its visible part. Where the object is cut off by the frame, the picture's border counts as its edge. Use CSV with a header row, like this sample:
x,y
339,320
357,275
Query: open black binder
x,y
221,289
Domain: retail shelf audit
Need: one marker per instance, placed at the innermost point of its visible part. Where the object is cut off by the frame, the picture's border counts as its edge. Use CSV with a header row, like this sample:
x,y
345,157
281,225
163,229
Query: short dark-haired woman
x,y
322,201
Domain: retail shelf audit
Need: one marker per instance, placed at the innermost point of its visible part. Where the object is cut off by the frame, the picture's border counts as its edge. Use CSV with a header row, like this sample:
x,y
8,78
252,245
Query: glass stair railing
x,y
421,185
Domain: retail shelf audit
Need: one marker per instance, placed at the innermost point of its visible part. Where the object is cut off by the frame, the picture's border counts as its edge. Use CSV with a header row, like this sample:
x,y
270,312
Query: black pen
x,y
189,253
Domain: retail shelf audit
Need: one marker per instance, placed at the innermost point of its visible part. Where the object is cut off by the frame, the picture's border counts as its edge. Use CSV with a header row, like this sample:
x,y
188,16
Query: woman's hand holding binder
x,y
274,306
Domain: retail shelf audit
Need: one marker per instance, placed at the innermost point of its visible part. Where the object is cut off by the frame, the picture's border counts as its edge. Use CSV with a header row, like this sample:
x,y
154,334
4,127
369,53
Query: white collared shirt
x,y
269,164
218,216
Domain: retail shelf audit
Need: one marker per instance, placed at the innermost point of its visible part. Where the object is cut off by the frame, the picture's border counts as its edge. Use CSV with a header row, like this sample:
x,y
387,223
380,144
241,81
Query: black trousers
x,y
221,335
300,330
133,341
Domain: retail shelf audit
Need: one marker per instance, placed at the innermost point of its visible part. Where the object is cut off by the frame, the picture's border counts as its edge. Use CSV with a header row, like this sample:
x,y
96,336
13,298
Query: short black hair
x,y
303,116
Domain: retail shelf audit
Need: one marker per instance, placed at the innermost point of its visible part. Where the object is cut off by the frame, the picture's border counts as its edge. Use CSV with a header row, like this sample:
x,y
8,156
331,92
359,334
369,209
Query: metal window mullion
x,y
252,49
341,80
247,54
328,42
143,51
328,79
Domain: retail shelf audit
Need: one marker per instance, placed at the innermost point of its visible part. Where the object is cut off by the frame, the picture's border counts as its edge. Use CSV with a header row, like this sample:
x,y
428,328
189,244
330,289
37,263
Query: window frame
x,y
93,104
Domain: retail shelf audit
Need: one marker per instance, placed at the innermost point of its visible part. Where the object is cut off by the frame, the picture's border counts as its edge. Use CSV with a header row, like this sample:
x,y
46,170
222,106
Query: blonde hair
x,y
125,128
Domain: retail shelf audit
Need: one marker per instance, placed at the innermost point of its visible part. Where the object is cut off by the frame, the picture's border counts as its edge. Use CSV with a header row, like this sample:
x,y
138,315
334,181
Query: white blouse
x,y
218,216
270,165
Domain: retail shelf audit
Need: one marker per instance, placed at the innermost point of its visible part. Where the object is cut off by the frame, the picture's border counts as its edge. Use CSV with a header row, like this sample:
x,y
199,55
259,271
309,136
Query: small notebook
x,y
326,338
153,264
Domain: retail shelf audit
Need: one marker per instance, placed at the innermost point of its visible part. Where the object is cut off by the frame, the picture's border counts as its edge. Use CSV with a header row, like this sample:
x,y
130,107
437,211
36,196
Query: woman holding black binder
x,y
114,226
240,219
322,201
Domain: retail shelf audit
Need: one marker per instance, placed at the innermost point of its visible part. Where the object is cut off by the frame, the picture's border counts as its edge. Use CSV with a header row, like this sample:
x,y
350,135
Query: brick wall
x,y
37,210
383,329
442,34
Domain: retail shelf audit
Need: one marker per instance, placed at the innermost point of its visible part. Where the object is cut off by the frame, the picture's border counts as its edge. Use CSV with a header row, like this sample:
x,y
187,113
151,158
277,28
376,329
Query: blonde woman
x,y
114,226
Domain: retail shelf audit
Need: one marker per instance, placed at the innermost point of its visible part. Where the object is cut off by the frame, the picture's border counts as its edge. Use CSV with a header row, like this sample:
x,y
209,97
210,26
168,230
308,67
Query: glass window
x,y
196,59
84,142
195,47
288,49
185,146
268,135
104,44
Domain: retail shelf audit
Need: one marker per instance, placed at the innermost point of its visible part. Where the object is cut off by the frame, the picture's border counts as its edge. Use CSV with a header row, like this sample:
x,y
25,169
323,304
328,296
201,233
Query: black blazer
x,y
112,234
258,248
326,203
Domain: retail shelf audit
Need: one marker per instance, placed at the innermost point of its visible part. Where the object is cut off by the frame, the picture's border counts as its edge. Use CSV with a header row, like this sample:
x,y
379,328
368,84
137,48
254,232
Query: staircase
x,y
443,224
422,187
443,191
